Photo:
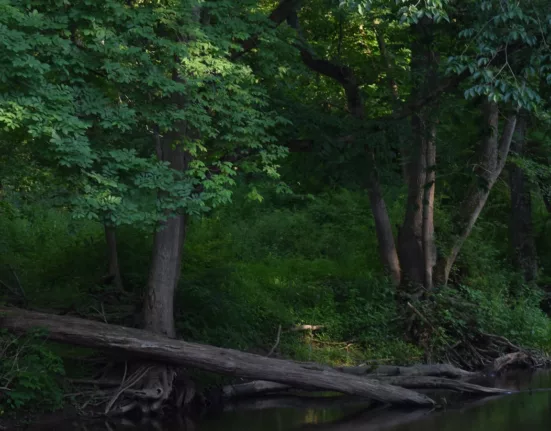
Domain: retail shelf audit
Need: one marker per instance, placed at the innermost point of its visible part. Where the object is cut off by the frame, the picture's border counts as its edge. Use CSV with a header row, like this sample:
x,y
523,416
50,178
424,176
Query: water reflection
x,y
528,410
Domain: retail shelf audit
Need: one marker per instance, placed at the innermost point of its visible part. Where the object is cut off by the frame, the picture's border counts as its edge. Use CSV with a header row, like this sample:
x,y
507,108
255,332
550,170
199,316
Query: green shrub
x,y
30,375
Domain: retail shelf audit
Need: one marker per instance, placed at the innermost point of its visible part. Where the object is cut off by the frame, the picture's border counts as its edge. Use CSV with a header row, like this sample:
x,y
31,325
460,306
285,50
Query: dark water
x,y
516,412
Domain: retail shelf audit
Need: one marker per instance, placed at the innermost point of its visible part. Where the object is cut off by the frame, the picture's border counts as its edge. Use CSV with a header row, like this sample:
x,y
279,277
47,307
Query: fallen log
x,y
436,370
149,346
427,382
257,387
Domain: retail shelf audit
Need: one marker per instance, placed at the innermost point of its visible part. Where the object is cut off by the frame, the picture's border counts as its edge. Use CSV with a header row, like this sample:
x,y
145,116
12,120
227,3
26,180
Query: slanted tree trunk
x,y
383,228
494,152
114,272
520,226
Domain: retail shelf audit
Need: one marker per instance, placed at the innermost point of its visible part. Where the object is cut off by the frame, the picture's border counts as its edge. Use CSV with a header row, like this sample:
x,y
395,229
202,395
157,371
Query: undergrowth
x,y
249,269
30,375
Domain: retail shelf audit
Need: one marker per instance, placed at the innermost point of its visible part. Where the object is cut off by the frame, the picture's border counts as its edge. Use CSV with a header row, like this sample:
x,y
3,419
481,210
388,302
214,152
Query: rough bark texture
x,y
521,227
493,155
114,271
151,346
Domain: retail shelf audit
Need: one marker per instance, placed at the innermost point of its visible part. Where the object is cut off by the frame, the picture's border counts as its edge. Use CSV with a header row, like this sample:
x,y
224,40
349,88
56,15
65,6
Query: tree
x,y
521,225
144,110
495,68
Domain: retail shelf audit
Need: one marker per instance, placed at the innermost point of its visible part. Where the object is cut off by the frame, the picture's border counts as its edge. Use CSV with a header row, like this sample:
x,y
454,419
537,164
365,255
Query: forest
x,y
290,193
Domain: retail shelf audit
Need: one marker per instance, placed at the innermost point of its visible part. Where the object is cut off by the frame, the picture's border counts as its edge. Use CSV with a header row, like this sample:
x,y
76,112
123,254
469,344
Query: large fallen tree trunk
x,y
258,387
424,382
146,345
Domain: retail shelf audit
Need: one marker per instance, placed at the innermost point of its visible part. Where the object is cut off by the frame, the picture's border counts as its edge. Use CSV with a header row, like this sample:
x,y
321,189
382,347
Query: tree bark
x,y
169,238
147,345
521,227
494,152
429,244
383,228
416,238
114,271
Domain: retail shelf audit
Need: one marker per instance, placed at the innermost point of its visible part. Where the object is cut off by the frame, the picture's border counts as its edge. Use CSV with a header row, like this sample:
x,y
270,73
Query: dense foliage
x,y
337,163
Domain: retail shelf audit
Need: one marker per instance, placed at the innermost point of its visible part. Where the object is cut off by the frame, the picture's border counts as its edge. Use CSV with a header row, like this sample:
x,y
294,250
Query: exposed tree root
x,y
149,388
153,385
494,354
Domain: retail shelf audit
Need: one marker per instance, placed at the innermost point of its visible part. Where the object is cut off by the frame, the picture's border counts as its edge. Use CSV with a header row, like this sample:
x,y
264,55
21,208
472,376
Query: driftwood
x,y
149,346
256,388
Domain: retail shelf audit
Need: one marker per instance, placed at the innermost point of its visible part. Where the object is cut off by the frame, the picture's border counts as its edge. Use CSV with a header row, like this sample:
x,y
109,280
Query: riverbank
x,y
253,273
345,414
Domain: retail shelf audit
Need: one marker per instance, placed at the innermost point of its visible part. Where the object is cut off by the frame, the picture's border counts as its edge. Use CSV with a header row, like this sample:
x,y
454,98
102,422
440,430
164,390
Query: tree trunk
x,y
429,245
261,387
164,273
521,229
355,104
383,228
410,237
494,154
114,271
164,276
416,238
147,345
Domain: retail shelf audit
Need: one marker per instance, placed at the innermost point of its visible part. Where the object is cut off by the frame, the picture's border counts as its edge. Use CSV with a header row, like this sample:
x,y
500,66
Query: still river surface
x,y
528,410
